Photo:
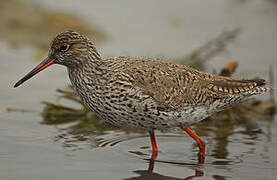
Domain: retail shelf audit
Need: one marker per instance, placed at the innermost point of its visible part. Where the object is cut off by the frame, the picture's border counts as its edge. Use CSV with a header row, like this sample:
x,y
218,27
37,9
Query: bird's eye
x,y
64,47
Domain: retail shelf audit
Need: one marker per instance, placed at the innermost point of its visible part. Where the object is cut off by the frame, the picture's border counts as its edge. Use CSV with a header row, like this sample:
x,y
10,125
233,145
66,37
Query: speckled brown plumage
x,y
172,85
144,93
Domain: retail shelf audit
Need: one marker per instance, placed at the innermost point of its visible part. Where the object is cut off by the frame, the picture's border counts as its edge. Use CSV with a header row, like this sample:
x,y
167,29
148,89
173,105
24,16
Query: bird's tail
x,y
232,86
232,91
254,86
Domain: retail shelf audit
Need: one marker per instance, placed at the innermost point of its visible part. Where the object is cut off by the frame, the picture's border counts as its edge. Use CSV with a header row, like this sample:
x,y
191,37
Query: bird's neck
x,y
87,81
85,75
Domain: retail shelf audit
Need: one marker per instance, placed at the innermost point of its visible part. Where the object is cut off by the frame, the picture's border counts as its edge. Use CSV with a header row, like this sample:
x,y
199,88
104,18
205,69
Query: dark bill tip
x,y
44,64
18,83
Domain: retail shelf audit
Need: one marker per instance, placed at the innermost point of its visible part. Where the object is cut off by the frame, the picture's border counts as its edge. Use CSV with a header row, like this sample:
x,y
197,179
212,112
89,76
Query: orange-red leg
x,y
154,145
201,144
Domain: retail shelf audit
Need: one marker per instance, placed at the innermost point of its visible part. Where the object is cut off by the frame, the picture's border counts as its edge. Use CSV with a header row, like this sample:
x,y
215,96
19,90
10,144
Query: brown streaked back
x,y
173,86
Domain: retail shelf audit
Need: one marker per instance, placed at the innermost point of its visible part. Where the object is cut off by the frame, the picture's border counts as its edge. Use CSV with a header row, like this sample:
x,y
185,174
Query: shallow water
x,y
31,149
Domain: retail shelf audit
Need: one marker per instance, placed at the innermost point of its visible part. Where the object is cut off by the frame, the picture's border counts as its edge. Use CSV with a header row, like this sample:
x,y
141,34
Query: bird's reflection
x,y
149,174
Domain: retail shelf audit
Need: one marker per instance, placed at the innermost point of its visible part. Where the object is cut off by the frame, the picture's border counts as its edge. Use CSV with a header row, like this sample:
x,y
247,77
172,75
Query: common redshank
x,y
144,93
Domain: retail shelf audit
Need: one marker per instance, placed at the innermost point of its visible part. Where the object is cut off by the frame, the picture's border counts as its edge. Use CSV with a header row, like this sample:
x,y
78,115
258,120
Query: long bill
x,y
44,64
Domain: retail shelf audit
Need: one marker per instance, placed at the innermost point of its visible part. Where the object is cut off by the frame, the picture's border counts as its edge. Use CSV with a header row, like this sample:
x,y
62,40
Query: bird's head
x,y
68,48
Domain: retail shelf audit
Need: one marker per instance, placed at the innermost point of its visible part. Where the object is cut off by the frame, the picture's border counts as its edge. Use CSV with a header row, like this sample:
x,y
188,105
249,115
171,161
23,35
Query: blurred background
x,y
45,132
